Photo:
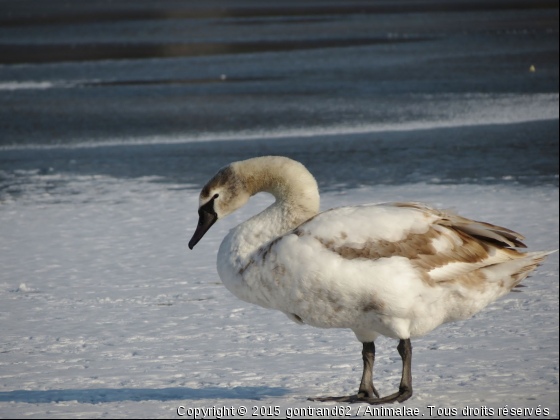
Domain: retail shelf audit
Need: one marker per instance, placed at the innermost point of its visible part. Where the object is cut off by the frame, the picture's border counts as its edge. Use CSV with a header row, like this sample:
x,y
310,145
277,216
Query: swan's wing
x,y
441,245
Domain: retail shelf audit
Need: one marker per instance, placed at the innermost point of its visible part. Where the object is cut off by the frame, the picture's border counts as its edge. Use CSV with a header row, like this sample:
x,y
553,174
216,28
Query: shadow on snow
x,y
103,395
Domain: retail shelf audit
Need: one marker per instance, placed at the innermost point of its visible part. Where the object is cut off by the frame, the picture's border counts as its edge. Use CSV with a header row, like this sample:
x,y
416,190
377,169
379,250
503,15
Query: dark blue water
x,y
276,77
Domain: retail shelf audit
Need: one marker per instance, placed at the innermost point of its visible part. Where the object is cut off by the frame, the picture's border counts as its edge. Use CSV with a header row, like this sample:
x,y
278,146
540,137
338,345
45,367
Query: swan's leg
x,y
405,389
367,390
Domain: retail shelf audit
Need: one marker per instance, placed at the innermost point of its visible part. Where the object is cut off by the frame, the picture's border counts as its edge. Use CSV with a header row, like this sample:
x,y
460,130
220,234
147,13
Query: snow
x,y
14,85
104,312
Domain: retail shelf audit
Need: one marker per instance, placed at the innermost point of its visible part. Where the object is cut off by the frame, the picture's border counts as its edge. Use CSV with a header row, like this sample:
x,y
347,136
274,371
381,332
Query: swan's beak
x,y
206,218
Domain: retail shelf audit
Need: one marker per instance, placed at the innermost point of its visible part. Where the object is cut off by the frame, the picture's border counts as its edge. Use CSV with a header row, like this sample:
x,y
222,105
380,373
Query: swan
x,y
393,269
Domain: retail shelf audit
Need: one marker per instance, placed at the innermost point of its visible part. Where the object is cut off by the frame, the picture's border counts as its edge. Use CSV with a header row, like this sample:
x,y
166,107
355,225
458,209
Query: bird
x,y
394,269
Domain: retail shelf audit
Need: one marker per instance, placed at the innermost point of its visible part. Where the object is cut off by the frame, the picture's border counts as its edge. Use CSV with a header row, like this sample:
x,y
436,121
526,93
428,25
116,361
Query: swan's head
x,y
222,195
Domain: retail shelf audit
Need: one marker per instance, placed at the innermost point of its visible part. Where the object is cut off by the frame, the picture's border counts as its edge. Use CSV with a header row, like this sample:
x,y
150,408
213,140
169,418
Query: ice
x,y
444,111
114,114
129,322
25,85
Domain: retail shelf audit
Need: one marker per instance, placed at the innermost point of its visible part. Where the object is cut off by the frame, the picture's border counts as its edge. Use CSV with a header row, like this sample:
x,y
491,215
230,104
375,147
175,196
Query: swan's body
x,y
398,269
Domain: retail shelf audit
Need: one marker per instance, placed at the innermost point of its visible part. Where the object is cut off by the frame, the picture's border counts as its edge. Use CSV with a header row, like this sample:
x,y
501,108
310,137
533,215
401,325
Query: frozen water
x,y
112,116
115,315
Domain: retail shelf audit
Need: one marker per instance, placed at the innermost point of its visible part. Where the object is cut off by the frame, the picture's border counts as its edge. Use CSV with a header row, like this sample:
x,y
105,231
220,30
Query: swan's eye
x,y
216,196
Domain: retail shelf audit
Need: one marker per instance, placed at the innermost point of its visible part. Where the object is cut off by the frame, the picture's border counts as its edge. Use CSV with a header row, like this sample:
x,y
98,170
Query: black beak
x,y
206,218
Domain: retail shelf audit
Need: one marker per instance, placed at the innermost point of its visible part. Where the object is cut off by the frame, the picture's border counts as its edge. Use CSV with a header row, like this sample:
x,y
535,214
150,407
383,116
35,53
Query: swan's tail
x,y
509,275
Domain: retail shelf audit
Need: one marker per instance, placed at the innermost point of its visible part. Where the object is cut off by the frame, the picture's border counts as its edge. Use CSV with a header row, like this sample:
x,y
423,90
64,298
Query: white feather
x,y
398,269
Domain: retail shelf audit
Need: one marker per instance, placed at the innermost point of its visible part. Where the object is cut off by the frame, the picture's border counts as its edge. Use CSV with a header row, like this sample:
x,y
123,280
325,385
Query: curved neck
x,y
292,185
297,200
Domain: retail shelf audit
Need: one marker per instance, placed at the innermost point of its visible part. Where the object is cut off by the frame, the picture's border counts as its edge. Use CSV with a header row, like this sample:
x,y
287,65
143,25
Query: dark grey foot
x,y
367,390
348,399
363,396
370,392
399,397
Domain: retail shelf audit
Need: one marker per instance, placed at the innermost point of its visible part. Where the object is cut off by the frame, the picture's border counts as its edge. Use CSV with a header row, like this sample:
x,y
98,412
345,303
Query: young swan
x,y
399,269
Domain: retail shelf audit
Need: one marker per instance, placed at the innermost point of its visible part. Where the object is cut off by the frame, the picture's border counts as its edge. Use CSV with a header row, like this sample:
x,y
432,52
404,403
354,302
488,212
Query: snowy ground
x,y
114,113
104,312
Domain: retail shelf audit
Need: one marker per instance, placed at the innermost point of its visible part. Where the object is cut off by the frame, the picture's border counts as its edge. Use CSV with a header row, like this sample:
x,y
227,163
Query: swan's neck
x,y
297,200
288,181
